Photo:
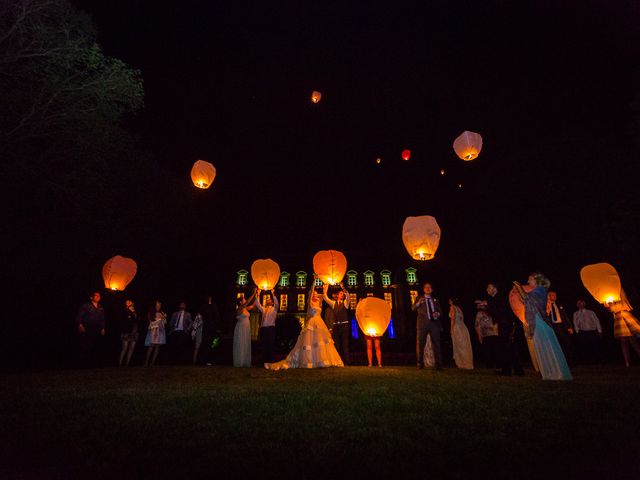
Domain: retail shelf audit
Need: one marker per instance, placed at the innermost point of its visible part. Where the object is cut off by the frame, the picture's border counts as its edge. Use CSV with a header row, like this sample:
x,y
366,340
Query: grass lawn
x,y
217,422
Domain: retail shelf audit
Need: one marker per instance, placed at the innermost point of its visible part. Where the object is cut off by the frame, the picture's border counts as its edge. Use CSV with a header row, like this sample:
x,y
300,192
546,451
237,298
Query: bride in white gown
x,y
314,347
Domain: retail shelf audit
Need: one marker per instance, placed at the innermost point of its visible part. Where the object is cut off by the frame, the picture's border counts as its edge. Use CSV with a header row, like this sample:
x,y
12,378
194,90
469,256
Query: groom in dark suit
x,y
428,323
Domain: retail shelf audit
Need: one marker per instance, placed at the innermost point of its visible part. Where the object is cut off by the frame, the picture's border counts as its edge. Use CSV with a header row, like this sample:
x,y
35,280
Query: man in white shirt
x,y
341,330
587,327
268,325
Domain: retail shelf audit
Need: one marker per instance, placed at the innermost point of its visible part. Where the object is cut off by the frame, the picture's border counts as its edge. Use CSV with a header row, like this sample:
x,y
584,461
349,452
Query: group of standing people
x,y
183,333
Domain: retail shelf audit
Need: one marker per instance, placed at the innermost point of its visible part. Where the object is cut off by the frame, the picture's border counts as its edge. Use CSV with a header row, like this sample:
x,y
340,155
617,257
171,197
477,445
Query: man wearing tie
x,y
561,324
428,323
180,325
340,332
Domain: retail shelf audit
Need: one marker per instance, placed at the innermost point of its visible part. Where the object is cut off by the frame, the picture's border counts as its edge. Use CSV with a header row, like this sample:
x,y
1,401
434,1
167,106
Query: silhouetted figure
x,y
90,321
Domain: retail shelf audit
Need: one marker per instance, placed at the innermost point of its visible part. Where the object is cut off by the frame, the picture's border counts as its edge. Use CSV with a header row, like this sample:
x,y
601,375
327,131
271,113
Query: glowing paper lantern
x,y
602,281
202,174
378,160
406,154
468,145
265,273
330,266
118,272
421,236
373,315
316,96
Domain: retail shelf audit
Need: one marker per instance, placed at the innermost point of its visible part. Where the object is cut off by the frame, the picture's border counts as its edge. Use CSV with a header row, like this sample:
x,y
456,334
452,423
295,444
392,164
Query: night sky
x,y
549,85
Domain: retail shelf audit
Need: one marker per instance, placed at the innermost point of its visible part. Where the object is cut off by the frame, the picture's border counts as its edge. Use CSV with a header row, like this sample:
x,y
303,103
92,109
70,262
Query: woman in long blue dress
x,y
551,360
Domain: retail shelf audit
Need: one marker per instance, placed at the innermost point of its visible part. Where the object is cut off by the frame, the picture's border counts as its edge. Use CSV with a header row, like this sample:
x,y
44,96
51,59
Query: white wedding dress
x,y
462,352
314,347
242,341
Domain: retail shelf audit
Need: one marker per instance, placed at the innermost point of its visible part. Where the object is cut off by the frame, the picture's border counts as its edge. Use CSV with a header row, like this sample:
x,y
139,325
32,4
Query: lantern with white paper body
x,y
265,273
118,272
316,96
421,236
202,174
468,145
602,281
330,266
373,316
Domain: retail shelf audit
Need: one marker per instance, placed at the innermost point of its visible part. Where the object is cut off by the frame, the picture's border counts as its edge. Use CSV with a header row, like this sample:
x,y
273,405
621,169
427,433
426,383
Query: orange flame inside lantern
x,y
118,272
603,282
330,266
373,316
406,154
202,174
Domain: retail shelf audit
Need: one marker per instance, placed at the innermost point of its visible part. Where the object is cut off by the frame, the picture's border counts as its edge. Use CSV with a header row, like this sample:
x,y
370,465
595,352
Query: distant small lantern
x,y
459,185
421,236
373,316
118,272
468,145
202,174
316,96
265,273
602,281
442,172
330,266
406,155
378,161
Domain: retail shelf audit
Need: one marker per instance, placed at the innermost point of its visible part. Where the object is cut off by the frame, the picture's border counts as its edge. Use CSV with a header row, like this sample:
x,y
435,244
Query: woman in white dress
x,y
462,352
314,347
156,334
242,333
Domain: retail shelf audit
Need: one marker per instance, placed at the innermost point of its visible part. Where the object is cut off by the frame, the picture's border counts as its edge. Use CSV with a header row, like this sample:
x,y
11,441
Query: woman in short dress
x,y
156,336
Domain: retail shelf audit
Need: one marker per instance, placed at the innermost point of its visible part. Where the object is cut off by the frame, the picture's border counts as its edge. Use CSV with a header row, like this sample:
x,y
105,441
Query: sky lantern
x,y
118,272
468,145
378,161
316,96
330,266
421,236
265,273
373,316
406,155
602,281
202,174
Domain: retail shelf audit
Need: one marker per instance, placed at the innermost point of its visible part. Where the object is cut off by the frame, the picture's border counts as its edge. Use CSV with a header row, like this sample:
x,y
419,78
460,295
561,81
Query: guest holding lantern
x,y
373,316
551,360
625,326
90,321
314,347
268,325
128,332
156,333
340,314
428,325
462,352
242,332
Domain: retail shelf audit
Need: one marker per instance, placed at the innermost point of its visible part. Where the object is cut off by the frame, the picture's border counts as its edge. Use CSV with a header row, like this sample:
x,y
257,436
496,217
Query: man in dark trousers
x,y
428,323
340,310
90,321
561,325
497,306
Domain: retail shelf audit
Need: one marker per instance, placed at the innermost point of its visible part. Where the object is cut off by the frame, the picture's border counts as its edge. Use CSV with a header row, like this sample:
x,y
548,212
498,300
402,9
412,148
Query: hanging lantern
x,y
202,174
468,145
330,266
406,154
316,96
118,272
602,281
265,273
373,316
421,236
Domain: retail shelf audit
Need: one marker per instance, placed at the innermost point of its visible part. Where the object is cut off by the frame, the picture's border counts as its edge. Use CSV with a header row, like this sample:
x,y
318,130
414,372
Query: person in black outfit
x,y
498,308
340,332
210,329
561,325
128,332
90,321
